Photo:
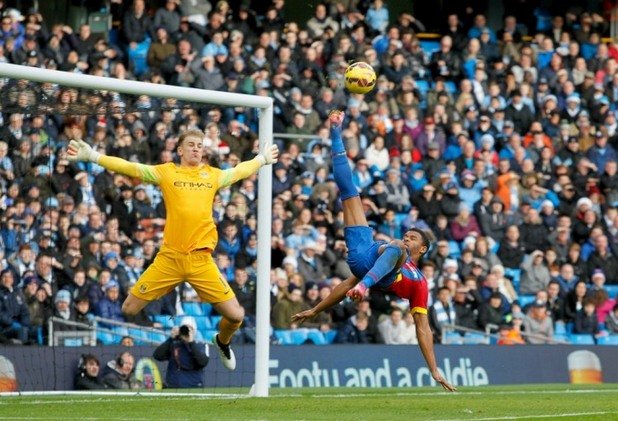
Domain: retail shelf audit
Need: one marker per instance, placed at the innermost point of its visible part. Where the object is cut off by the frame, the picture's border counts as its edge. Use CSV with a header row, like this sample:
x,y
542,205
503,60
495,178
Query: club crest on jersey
x,y
143,288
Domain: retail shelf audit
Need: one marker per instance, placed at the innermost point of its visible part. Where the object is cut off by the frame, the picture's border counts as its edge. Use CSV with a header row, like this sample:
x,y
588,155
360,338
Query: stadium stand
x,y
523,119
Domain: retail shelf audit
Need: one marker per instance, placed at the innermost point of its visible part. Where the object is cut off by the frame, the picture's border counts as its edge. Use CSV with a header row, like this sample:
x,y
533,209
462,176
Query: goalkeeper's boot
x,y
358,292
225,354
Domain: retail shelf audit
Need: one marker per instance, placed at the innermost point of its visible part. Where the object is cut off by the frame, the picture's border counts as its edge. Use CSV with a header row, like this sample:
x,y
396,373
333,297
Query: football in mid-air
x,y
360,78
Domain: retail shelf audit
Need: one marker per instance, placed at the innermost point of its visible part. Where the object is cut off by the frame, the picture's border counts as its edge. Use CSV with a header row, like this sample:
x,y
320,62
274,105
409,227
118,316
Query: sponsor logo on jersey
x,y
192,185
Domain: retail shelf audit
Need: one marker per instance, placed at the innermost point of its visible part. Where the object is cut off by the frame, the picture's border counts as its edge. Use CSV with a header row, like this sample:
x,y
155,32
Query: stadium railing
x,y
110,332
467,336
86,335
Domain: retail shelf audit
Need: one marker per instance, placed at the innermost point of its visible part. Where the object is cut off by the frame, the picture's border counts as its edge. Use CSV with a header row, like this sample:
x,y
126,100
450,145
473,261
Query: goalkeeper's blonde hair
x,y
190,133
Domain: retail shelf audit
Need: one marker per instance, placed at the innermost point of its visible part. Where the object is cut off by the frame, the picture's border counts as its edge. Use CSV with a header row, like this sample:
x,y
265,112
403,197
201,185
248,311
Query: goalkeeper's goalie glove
x,y
81,151
269,154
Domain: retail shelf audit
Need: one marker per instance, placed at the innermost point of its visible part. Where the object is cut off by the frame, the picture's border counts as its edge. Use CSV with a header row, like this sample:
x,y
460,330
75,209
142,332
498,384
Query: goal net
x,y
96,227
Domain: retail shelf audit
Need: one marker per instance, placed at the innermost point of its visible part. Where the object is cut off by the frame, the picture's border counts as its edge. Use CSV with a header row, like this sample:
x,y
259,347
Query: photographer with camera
x,y
187,358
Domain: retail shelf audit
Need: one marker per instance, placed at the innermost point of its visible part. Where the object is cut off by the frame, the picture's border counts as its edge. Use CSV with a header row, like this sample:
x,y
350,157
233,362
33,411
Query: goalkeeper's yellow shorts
x,y
171,267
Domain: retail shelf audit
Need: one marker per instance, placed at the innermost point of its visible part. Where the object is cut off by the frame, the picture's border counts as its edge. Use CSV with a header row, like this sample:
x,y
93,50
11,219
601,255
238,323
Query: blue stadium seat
x,y
192,309
207,335
317,337
569,327
165,320
214,321
429,47
454,250
560,328
299,336
157,337
399,218
206,309
138,336
608,340
203,322
612,290
330,336
524,300
292,336
105,338
283,336
452,338
422,86
39,336
471,338
584,339
138,57
119,332
561,337
450,86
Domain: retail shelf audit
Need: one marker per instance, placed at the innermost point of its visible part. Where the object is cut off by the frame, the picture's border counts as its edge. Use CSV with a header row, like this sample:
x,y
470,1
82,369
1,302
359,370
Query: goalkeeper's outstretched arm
x,y
81,151
267,156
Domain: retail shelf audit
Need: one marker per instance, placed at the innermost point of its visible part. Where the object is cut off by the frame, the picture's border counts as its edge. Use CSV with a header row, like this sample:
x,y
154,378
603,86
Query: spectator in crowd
x,y
14,314
535,274
602,303
186,358
63,310
392,328
611,323
555,302
357,331
127,341
87,377
323,320
466,308
586,321
510,334
109,307
285,308
511,251
538,324
442,312
491,313
119,373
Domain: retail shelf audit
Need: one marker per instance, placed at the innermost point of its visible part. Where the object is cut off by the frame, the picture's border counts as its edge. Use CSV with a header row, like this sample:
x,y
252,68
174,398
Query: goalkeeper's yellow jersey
x,y
189,195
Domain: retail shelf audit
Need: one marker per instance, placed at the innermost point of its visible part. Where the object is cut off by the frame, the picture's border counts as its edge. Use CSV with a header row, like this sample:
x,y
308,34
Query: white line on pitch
x,y
505,392
513,417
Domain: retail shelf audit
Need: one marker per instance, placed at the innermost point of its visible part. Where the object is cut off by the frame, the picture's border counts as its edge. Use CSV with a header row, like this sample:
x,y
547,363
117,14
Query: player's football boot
x,y
225,354
358,292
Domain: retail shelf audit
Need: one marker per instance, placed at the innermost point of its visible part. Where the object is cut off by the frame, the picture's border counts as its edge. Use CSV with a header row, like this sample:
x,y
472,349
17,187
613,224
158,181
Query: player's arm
x,y
267,156
337,294
79,150
425,342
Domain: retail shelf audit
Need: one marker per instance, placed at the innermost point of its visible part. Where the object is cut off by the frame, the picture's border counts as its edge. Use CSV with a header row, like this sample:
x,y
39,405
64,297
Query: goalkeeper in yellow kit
x,y
190,233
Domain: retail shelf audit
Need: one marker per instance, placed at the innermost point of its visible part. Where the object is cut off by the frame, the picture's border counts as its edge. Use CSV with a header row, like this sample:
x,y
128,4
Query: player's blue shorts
x,y
362,249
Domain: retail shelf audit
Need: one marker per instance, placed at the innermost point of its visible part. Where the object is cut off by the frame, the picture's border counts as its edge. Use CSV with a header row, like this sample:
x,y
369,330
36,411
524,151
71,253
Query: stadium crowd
x,y
501,141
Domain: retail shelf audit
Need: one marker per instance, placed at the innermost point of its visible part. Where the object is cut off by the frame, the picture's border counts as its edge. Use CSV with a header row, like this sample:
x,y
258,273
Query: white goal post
x,y
265,106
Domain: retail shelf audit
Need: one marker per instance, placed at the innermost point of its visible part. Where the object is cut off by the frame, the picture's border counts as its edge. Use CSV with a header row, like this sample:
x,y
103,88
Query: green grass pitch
x,y
470,403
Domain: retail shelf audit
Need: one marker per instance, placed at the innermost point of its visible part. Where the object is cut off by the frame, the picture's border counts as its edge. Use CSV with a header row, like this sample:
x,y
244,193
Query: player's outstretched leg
x,y
391,257
233,315
353,212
